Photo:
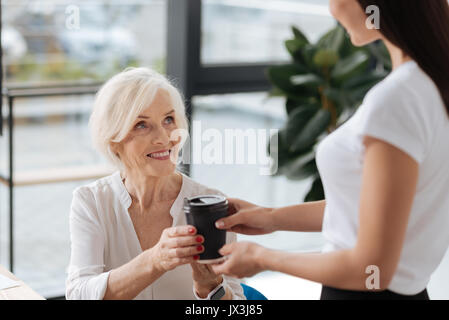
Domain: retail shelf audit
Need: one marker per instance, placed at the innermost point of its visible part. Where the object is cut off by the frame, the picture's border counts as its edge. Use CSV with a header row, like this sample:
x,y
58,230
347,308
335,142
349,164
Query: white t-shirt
x,y
103,238
407,111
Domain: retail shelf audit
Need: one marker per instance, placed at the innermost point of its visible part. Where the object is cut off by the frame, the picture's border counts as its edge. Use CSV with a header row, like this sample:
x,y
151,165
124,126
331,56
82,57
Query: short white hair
x,y
121,100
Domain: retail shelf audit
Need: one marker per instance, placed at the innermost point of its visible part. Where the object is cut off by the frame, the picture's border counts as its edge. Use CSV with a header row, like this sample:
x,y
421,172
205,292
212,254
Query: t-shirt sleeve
x,y
391,115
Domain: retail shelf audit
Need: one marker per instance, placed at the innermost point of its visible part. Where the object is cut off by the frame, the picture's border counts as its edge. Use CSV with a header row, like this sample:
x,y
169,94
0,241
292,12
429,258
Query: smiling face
x,y
147,147
353,18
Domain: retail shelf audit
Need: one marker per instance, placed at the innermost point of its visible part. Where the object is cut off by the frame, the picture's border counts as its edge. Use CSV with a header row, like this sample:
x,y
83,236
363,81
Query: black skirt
x,y
329,293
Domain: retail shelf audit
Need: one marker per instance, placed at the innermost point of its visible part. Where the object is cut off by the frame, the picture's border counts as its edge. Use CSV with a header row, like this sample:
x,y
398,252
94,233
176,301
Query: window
x,y
61,40
252,31
47,43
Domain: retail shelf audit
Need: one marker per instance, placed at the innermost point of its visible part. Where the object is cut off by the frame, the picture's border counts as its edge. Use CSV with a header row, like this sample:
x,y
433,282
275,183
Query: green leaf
x,y
308,80
304,98
299,35
280,75
337,41
380,52
333,39
309,52
325,58
292,104
350,66
294,47
316,192
357,87
276,92
370,78
302,167
337,97
298,119
308,134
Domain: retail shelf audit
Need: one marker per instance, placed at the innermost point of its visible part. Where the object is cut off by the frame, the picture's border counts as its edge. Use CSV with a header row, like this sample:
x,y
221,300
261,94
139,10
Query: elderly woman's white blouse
x,y
103,238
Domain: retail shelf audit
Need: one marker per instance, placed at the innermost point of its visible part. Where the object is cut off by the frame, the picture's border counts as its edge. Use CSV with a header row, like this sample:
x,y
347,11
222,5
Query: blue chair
x,y
251,293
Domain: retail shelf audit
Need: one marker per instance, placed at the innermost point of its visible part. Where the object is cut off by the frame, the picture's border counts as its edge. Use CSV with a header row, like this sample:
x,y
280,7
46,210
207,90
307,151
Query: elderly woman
x,y
128,232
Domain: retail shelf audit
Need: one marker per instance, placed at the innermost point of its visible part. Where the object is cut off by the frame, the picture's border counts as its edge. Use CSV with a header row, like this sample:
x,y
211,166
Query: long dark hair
x,y
420,28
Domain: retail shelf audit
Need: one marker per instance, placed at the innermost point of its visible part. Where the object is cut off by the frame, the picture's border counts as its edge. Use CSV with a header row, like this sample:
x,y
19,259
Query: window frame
x,y
184,65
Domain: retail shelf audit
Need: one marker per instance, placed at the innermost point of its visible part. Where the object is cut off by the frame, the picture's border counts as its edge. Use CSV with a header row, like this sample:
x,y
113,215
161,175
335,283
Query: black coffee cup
x,y
201,212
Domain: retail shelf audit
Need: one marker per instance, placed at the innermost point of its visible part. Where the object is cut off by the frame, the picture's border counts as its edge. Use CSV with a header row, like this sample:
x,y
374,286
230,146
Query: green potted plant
x,y
323,85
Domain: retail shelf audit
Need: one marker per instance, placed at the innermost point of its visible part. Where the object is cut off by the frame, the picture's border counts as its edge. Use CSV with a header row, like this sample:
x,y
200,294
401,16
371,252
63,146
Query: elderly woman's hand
x,y
205,279
177,246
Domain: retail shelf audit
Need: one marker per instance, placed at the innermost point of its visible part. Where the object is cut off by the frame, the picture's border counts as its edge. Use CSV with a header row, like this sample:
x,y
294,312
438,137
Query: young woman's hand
x,y
243,259
247,218
177,246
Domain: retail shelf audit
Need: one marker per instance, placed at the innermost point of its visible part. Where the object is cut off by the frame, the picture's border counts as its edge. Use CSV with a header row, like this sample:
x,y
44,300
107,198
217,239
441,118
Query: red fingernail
x,y
191,230
196,257
199,248
199,239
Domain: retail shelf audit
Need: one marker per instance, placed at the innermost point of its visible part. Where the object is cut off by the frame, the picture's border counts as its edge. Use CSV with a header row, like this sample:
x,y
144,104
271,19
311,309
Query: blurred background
x,y
55,55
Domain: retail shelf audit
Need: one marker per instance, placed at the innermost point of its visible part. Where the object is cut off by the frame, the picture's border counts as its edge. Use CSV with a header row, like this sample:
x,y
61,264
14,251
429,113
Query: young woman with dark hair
x,y
420,29
384,171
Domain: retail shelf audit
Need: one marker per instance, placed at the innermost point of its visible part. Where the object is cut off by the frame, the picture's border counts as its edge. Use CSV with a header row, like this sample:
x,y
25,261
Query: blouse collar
x,y
126,200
